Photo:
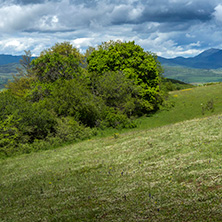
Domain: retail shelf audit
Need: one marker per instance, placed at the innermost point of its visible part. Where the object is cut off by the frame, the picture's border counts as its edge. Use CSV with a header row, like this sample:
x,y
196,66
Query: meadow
x,y
169,168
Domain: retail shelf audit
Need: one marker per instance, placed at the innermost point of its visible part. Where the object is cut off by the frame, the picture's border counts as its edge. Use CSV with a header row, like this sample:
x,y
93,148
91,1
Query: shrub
x,y
117,120
116,90
9,135
72,98
70,130
30,120
209,106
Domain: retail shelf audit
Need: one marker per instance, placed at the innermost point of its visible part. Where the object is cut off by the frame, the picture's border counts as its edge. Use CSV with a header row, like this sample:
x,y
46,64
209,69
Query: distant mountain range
x,y
7,59
205,67
209,59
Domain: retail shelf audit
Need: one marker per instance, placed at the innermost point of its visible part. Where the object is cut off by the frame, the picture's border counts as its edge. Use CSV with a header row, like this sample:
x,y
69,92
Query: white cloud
x,y
135,13
16,18
13,44
218,13
196,44
83,42
178,27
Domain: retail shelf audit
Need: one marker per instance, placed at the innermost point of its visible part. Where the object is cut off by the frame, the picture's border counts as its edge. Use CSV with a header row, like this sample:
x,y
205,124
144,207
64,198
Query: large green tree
x,y
136,64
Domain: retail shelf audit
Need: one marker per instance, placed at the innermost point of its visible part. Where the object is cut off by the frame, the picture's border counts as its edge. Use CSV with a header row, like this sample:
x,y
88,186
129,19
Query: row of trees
x,y
64,95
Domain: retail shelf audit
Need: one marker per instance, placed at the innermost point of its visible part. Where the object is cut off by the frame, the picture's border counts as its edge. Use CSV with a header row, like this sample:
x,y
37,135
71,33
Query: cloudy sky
x,y
168,28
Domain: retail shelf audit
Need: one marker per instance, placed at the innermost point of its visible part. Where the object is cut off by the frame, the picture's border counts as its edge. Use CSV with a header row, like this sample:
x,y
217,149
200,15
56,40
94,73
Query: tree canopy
x,y
63,95
133,61
61,61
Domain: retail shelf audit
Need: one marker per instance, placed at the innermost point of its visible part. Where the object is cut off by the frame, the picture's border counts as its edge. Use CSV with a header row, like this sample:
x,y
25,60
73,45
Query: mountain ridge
x,y
208,59
7,59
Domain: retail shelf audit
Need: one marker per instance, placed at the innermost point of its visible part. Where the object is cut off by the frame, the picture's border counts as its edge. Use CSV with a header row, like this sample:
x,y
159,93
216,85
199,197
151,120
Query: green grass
x,y
161,171
181,105
172,173
187,104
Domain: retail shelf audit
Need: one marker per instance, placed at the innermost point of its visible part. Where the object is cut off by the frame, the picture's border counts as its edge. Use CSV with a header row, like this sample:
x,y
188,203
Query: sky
x,y
169,28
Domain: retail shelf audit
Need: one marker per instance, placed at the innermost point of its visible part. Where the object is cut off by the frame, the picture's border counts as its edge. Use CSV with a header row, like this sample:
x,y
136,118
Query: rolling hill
x,y
6,73
203,68
6,59
171,171
193,75
209,59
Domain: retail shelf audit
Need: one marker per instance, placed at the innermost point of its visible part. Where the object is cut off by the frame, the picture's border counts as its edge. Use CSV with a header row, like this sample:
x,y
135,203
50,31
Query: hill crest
x,y
209,59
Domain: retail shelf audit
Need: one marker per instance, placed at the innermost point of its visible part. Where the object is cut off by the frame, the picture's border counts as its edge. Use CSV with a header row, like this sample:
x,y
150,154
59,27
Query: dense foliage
x,y
134,62
64,96
62,61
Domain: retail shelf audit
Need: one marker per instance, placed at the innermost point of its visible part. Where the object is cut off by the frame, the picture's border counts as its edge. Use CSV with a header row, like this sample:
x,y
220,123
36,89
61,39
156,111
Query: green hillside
x,y
168,169
191,75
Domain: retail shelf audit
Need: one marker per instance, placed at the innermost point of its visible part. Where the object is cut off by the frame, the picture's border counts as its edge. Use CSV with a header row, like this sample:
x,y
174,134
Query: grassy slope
x,y
188,104
170,173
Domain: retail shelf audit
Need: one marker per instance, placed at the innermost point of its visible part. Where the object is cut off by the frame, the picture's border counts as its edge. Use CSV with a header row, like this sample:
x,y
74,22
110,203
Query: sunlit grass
x,y
186,105
171,173
156,172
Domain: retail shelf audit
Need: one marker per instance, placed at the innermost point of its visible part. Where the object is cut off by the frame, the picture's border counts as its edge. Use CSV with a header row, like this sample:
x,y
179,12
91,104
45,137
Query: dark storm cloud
x,y
176,14
25,2
180,26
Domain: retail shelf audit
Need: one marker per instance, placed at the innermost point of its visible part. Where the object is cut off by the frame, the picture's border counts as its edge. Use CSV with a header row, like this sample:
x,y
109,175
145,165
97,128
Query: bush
x,y
62,61
116,90
70,130
72,98
9,135
28,121
117,120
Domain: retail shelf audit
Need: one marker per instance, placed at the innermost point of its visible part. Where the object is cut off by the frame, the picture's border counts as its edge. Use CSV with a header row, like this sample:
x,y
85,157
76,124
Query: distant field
x,y
168,169
196,76
6,73
188,75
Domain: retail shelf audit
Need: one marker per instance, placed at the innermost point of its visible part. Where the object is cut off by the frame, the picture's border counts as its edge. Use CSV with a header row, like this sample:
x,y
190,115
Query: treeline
x,y
63,95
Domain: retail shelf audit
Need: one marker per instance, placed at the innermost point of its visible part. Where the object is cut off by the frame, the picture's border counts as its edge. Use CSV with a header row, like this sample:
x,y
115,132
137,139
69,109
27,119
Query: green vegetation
x,y
173,84
186,104
191,75
171,173
167,169
62,89
136,64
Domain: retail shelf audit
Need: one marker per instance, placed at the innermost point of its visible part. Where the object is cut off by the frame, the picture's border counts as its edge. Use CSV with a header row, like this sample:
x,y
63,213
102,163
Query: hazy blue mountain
x,y
209,59
6,59
205,67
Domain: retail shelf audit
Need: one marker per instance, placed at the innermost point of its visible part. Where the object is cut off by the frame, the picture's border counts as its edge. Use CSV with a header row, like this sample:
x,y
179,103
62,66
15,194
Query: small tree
x,y
61,61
